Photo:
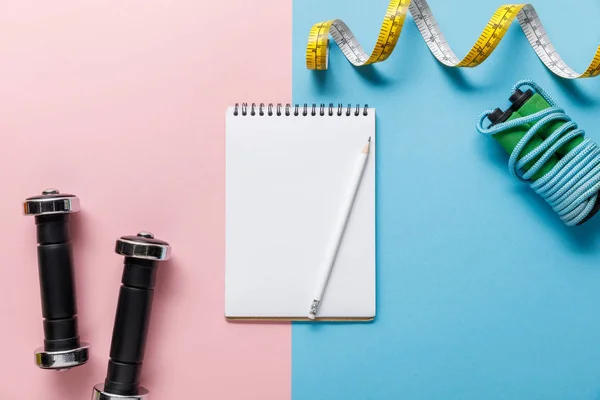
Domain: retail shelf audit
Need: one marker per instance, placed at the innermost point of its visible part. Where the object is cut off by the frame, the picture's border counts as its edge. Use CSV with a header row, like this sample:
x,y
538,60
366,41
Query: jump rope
x,y
548,151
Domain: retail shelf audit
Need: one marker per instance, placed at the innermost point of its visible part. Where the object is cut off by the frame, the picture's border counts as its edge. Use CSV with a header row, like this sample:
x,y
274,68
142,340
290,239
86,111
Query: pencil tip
x,y
369,138
365,149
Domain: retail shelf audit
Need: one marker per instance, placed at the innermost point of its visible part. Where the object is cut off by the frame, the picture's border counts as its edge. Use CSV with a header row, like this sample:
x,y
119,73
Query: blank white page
x,y
286,178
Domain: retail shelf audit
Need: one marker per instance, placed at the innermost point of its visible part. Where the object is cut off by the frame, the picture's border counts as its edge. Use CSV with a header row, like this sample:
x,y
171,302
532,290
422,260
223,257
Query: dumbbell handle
x,y
131,326
57,286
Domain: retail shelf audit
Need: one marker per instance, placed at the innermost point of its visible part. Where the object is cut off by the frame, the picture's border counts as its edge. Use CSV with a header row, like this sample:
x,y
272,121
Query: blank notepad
x,y
286,178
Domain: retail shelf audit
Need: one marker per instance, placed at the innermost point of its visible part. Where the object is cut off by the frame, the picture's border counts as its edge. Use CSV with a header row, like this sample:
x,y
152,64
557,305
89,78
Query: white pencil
x,y
336,239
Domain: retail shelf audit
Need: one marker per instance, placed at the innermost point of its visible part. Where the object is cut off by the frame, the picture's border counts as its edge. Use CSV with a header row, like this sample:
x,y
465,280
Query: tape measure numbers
x,y
317,51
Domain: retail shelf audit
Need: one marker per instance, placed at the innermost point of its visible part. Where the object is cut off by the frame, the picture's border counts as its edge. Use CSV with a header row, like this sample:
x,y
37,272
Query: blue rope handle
x,y
571,186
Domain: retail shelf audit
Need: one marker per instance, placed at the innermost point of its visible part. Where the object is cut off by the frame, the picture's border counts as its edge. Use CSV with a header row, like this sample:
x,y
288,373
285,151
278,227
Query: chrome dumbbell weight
x,y
62,349
142,253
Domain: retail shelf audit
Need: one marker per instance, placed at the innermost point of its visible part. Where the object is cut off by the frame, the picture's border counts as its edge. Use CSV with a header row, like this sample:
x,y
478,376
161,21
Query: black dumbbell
x,y
62,349
142,253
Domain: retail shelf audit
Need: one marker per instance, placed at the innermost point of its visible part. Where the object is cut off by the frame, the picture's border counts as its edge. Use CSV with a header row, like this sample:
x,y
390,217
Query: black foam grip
x,y
56,281
57,284
122,378
131,327
53,228
61,334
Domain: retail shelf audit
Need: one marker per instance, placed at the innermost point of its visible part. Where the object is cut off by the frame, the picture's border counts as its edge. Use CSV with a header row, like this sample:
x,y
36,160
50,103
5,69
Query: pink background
x,y
122,103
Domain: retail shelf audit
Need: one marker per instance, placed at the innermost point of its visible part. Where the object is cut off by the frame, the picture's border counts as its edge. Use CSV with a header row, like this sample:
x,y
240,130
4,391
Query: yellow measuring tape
x,y
317,51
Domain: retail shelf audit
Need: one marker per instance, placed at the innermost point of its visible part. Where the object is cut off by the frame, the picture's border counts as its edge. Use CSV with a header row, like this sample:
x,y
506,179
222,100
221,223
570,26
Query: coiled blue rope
x,y
571,186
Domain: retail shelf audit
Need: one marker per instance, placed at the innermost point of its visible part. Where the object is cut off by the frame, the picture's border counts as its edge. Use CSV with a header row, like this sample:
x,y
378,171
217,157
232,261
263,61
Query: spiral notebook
x,y
287,171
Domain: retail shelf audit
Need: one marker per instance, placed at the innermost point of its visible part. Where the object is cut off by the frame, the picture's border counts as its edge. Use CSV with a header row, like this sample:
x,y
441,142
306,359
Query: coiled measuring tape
x,y
317,52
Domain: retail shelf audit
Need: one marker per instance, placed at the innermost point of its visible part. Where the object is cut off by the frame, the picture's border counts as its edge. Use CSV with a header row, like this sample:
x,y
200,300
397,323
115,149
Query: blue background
x,y
483,293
